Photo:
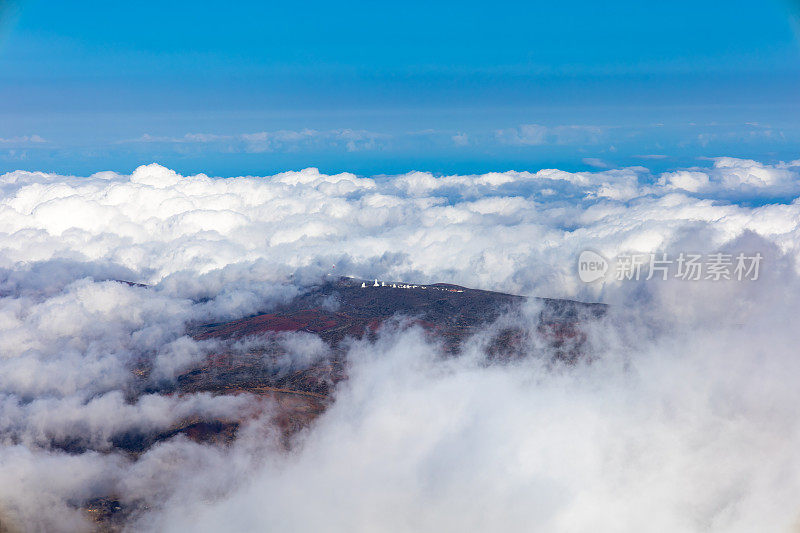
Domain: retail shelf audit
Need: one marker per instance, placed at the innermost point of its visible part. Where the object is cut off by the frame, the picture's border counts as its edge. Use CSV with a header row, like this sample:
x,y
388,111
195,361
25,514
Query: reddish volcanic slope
x,y
318,321
352,308
344,308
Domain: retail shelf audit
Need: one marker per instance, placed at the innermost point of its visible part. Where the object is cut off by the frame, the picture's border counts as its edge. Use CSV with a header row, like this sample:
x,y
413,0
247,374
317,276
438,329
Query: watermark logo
x,y
591,266
683,266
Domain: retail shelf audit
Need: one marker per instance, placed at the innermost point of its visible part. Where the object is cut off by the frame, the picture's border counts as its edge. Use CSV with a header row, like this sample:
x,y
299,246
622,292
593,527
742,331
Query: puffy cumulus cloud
x,y
514,230
80,340
681,417
739,178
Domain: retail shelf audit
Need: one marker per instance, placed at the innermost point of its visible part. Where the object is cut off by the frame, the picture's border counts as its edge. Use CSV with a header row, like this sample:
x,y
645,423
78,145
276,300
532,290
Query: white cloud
x,y
693,431
741,177
159,223
684,420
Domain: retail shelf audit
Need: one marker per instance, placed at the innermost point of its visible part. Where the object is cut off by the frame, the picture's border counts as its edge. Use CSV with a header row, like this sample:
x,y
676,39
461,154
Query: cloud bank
x,y
682,419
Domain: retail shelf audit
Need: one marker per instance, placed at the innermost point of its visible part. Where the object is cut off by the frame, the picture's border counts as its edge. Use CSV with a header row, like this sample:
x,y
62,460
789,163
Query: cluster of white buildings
x,y
377,283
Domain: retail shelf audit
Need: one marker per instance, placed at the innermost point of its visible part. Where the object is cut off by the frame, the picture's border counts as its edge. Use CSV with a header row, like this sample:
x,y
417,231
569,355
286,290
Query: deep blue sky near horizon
x,y
255,87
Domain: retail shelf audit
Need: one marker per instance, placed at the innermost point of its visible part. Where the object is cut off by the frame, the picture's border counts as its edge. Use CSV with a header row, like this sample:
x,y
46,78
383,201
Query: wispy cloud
x,y
23,140
649,156
273,141
537,135
595,162
460,139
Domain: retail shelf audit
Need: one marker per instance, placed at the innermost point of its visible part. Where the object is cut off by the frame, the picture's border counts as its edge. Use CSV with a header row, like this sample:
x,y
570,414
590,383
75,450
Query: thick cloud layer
x,y
682,420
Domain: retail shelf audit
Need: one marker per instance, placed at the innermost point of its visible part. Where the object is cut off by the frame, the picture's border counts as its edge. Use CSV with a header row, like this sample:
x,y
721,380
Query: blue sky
x,y
259,87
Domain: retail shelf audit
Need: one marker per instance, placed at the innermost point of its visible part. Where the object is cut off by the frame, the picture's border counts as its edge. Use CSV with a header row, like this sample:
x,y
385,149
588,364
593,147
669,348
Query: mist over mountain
x,y
198,352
